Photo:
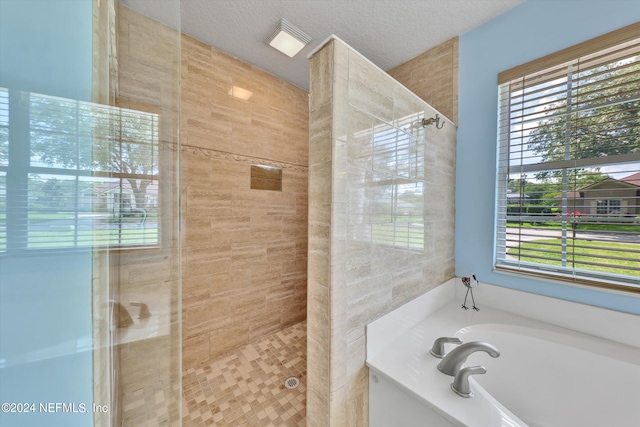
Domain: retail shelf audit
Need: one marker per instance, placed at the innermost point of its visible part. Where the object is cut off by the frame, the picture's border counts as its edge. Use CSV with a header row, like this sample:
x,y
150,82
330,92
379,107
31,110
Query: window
x,y
568,186
76,174
609,207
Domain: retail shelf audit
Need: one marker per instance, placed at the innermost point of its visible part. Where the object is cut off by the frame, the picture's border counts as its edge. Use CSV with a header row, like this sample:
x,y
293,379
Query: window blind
x,y
568,179
76,174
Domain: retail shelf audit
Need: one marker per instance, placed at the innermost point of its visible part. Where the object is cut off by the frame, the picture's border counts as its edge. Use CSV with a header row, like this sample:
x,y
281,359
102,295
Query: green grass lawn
x,y
546,251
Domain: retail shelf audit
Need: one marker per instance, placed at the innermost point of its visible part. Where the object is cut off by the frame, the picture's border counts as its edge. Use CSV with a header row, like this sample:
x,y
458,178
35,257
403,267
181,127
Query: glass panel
x,y
89,216
142,150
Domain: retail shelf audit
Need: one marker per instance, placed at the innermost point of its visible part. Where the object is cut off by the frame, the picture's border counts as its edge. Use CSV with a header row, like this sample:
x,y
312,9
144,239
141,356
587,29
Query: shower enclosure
x,y
90,271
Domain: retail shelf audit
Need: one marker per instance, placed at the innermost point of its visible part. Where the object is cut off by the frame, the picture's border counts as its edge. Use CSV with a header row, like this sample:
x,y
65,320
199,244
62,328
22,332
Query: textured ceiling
x,y
388,32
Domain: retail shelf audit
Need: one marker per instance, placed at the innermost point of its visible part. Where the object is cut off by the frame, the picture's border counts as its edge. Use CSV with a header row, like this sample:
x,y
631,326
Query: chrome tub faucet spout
x,y
453,361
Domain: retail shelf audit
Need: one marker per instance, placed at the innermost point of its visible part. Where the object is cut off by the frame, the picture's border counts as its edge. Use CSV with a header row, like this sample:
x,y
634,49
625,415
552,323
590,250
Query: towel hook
x,y
433,121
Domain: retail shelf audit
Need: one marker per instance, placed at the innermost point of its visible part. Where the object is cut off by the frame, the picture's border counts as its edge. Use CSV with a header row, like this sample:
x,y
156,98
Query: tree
x,y
603,119
65,133
606,124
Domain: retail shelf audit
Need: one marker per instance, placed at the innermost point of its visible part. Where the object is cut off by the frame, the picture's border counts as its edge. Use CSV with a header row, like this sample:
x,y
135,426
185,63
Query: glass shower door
x,y
89,215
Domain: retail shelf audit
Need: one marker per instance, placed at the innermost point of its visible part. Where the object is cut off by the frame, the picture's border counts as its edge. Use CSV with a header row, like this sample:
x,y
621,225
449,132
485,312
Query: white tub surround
x,y
555,364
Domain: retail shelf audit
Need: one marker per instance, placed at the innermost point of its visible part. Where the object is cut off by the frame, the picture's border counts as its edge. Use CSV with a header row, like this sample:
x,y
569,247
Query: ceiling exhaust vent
x,y
288,39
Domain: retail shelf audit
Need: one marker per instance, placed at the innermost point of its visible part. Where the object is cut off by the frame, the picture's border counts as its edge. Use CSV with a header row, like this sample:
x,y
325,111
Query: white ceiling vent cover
x,y
288,39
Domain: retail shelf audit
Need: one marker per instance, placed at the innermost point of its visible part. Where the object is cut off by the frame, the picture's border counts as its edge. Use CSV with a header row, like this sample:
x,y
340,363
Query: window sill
x,y
591,283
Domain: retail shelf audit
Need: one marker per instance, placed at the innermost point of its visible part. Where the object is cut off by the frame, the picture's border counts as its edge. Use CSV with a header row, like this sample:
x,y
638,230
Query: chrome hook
x,y
434,120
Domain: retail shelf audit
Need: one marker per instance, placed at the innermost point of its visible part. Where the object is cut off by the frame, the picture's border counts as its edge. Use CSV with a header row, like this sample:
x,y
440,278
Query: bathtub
x,y
547,374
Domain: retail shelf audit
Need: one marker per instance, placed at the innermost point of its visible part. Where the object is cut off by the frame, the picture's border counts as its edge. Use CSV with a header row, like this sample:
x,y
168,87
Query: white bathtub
x,y
560,379
546,375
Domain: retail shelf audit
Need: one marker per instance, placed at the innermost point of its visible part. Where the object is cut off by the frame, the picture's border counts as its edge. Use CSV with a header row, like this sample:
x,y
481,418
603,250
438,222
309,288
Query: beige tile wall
x,y
433,76
244,250
365,155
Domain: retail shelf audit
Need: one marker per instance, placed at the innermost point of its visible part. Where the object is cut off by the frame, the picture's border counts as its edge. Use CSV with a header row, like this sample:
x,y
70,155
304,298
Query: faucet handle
x,y
460,383
437,350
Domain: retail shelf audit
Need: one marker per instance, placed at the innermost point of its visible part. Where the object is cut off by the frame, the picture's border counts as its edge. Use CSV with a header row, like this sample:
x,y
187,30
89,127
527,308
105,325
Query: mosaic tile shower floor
x,y
246,387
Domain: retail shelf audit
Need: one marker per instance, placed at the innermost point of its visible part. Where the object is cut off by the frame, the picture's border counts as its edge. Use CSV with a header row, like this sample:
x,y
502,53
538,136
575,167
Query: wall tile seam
x,y
225,155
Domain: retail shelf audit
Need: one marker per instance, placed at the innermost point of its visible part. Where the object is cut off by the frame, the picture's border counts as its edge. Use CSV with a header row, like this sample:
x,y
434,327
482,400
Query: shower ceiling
x,y
388,32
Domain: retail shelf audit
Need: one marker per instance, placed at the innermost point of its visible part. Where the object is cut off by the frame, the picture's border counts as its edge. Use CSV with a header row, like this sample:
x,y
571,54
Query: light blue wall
x,y
45,47
45,299
529,31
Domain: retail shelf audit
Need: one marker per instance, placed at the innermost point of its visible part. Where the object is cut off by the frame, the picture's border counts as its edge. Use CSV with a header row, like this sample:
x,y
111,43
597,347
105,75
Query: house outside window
x,y
568,187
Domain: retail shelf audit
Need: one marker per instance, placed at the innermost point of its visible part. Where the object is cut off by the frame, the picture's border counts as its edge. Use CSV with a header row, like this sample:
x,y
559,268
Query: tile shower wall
x,y
380,219
433,76
244,250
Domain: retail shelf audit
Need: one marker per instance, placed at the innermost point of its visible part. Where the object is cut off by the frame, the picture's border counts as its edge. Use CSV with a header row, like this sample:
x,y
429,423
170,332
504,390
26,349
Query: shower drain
x,y
291,383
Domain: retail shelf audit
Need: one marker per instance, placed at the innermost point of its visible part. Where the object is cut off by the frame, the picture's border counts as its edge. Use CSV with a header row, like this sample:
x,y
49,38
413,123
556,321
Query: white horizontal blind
x,y
76,174
568,190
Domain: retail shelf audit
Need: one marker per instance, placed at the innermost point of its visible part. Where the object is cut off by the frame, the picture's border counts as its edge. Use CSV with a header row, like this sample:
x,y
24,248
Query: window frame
x,y
589,47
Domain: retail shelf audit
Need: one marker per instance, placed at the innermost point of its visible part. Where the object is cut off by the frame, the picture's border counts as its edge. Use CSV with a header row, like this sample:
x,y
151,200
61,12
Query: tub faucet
x,y
453,361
